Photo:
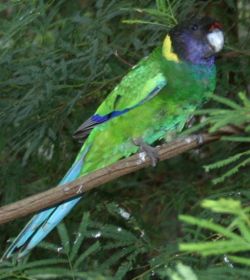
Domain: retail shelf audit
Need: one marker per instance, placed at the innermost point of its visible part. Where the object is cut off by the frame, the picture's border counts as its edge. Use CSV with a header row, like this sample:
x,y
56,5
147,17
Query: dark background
x,y
57,63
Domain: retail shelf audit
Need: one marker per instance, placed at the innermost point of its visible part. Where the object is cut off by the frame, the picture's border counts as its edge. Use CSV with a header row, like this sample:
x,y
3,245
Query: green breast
x,y
187,88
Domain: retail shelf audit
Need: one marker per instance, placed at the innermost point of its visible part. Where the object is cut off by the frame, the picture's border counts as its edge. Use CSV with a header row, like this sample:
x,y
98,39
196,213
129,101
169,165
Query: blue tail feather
x,y
60,212
44,222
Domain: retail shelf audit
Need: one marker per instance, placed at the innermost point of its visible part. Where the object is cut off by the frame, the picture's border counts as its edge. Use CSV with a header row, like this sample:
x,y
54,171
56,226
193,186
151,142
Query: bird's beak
x,y
216,39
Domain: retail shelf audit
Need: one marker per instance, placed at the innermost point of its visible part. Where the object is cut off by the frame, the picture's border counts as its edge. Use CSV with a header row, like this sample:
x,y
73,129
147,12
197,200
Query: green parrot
x,y
155,99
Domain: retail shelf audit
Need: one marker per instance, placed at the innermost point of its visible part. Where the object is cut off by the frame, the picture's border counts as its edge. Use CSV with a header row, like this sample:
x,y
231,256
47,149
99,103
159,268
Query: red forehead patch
x,y
215,25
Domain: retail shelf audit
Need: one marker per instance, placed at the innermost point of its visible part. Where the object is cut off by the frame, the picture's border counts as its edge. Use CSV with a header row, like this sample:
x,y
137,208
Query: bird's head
x,y
197,40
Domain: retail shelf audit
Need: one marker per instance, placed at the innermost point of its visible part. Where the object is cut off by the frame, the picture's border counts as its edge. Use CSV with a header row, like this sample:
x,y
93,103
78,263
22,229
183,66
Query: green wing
x,y
138,86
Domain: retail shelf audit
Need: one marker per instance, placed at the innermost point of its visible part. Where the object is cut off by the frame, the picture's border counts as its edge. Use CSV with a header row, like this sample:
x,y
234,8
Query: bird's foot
x,y
195,137
199,139
151,152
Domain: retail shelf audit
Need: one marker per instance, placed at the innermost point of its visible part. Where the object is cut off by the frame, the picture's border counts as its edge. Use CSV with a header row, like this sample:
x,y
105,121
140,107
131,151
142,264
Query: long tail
x,y
44,222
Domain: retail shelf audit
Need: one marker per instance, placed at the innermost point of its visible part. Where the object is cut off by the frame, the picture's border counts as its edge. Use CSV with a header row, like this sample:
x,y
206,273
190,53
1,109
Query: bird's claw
x,y
151,152
199,139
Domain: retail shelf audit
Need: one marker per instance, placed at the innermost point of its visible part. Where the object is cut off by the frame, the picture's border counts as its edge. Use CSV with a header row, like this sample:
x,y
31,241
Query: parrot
x,y
155,99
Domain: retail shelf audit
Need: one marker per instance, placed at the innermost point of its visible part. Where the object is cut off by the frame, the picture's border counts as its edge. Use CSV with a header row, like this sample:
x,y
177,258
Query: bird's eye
x,y
194,27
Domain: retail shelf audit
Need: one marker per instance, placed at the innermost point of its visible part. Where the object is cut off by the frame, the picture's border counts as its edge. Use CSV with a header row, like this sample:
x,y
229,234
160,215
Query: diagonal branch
x,y
138,161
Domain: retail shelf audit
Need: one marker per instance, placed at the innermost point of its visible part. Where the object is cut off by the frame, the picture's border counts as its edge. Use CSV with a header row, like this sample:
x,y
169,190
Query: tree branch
x,y
61,193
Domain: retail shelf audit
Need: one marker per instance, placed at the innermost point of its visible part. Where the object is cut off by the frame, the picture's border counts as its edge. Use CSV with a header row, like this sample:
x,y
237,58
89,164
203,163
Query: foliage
x,y
231,237
58,60
227,239
234,117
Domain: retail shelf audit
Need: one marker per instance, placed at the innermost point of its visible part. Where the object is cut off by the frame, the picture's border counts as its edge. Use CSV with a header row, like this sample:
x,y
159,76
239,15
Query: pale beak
x,y
216,40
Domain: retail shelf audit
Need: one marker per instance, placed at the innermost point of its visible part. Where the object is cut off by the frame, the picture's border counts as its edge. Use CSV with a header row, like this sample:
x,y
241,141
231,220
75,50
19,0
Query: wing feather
x,y
132,92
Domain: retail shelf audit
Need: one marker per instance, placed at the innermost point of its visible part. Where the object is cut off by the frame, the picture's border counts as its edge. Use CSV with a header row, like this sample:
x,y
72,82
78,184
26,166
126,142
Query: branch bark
x,y
61,193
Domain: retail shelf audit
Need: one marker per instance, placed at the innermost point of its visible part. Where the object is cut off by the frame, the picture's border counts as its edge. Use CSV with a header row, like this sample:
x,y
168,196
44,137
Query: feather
x,y
83,131
45,221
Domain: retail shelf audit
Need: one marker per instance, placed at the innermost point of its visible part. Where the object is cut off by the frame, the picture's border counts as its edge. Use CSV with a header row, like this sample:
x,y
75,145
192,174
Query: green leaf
x,y
223,205
210,225
216,248
64,237
80,236
182,272
94,248
239,260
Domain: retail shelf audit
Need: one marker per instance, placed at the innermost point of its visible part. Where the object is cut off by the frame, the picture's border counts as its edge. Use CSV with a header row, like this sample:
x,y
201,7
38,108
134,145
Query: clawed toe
x,y
151,152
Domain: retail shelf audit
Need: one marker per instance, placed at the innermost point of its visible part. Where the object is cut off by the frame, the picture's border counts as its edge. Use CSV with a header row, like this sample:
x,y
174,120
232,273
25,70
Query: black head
x,y
197,40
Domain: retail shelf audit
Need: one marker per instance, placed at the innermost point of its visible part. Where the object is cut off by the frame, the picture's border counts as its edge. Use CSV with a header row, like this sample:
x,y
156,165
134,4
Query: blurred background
x,y
58,61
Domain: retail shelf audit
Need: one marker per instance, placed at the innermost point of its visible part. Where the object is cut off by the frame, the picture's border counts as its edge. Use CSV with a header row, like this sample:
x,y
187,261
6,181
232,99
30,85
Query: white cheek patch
x,y
216,39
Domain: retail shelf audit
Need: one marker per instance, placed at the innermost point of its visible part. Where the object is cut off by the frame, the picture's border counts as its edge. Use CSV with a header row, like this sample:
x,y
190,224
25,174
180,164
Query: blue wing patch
x,y
84,130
